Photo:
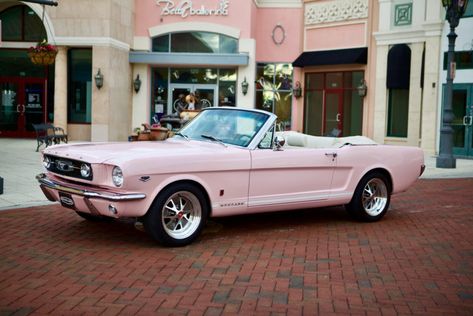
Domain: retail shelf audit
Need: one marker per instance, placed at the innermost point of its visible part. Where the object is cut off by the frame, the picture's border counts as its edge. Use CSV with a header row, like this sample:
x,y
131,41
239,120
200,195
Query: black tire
x,y
94,218
177,216
371,199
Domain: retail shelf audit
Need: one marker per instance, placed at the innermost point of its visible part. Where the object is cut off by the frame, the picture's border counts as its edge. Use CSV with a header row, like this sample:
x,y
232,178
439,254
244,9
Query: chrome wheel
x,y
375,197
181,215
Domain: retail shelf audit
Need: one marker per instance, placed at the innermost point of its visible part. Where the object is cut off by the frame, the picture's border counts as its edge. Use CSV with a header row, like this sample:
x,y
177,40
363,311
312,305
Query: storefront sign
x,y
185,8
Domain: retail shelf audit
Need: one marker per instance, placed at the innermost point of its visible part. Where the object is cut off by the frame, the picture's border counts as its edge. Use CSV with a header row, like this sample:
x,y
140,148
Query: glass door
x,y
205,96
22,105
333,112
462,105
11,108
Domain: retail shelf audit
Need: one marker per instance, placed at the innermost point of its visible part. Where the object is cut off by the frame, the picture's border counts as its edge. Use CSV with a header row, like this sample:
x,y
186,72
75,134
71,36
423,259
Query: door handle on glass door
x,y
467,120
338,117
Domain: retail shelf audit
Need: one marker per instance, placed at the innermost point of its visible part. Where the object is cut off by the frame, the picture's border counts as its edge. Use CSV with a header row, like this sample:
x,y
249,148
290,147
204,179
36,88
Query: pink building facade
x,y
227,53
308,61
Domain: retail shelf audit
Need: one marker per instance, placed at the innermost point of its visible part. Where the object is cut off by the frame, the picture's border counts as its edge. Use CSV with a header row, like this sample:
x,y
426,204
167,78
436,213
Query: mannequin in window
x,y
181,104
191,101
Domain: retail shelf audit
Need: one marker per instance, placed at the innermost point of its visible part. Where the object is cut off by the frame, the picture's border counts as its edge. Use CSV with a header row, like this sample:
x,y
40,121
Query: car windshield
x,y
227,126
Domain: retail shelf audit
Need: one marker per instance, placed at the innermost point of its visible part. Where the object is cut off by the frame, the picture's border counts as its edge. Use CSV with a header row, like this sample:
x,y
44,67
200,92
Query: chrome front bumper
x,y
65,187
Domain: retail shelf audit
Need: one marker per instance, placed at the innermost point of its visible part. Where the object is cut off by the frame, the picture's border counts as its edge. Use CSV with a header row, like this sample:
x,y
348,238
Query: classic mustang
x,y
226,161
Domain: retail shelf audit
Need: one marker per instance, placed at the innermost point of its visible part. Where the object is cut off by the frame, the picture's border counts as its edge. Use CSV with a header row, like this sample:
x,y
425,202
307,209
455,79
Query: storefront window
x,y
194,75
210,86
79,85
227,87
20,23
332,106
195,42
273,91
398,83
160,93
398,112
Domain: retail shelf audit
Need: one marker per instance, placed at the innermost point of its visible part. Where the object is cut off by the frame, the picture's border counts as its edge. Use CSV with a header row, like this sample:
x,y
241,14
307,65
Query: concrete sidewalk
x,y
19,164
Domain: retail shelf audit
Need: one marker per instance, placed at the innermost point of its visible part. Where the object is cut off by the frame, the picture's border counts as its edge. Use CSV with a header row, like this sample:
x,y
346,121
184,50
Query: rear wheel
x,y
177,216
371,199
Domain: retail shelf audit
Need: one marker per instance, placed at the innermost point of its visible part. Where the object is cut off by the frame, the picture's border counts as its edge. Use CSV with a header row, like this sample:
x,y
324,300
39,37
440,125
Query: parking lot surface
x,y
417,260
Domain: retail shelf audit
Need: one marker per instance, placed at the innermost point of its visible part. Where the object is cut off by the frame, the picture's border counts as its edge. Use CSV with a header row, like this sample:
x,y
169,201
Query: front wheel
x,y
177,216
371,199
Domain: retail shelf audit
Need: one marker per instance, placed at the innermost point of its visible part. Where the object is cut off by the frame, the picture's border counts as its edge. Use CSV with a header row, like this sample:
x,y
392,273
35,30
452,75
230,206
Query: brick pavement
x,y
417,260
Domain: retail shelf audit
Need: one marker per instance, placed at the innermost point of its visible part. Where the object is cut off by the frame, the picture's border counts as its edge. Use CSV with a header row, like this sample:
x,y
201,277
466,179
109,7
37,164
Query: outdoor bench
x,y
48,134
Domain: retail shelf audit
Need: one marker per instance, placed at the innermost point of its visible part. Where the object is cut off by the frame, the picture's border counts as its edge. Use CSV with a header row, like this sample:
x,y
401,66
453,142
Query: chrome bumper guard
x,y
51,184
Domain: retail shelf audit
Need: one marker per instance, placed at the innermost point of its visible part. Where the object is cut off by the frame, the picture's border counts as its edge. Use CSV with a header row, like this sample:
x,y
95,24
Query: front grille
x,y
67,167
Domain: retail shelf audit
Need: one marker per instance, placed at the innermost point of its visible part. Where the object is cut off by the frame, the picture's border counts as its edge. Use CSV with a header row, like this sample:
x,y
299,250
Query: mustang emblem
x,y
64,165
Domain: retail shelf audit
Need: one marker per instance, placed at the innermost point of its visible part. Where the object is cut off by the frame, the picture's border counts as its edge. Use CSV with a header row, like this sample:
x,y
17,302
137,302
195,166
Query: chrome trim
x,y
51,184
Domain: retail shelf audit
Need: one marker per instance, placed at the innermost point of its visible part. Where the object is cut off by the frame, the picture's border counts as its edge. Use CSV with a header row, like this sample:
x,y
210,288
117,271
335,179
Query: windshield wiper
x,y
182,135
213,139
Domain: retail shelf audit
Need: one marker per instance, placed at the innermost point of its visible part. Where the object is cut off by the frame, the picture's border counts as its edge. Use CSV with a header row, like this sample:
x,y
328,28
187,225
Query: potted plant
x,y
157,132
43,53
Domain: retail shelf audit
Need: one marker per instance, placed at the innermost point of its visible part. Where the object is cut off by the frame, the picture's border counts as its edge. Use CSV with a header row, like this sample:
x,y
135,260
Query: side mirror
x,y
278,143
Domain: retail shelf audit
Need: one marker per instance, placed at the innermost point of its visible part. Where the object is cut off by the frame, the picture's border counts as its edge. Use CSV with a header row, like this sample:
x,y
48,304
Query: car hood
x,y
122,152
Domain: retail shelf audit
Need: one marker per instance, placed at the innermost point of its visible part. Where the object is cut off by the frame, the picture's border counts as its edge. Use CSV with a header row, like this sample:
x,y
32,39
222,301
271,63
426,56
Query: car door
x,y
290,178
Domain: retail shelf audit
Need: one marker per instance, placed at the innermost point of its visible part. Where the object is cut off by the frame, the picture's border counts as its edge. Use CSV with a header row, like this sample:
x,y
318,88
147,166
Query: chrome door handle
x,y
337,118
467,120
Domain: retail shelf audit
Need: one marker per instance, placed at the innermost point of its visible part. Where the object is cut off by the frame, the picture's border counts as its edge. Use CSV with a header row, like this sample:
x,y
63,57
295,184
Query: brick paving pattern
x,y
417,260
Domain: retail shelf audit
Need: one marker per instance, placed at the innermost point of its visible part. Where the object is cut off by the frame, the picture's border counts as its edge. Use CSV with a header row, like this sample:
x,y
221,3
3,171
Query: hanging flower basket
x,y
43,53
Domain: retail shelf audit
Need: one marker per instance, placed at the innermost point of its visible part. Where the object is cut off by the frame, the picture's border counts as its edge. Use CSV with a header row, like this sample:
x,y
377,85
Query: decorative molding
x,y
193,26
278,39
403,14
334,11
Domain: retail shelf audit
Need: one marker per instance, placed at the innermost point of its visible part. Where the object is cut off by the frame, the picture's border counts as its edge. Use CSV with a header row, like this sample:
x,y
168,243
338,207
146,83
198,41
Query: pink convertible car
x,y
226,161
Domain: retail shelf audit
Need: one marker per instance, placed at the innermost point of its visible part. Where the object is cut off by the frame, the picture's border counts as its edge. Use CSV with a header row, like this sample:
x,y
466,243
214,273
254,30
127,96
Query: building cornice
x,y
91,41
411,35
278,3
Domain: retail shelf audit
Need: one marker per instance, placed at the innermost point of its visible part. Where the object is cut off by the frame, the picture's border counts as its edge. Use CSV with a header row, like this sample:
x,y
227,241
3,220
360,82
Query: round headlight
x,y
85,170
46,162
117,176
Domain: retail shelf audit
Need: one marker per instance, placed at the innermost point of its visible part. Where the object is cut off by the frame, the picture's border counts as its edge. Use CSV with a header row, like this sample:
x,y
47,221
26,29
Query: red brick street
x,y
417,260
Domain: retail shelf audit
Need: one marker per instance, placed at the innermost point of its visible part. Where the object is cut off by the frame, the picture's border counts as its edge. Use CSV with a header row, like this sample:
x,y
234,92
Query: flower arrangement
x,y
43,53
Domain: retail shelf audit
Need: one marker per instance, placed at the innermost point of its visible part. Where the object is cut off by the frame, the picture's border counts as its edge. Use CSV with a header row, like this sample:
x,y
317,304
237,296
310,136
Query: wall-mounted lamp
x,y
137,83
297,90
362,88
98,79
244,86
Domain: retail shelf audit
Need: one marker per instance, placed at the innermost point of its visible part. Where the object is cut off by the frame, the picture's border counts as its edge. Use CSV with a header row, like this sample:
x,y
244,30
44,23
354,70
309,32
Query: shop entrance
x,y
333,112
462,125
23,103
332,105
205,95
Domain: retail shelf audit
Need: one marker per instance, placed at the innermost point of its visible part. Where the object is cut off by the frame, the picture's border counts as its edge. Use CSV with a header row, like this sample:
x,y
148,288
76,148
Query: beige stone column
x,y
111,104
415,95
380,104
430,95
60,89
